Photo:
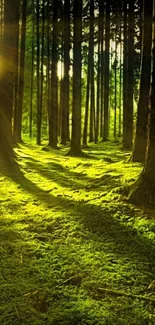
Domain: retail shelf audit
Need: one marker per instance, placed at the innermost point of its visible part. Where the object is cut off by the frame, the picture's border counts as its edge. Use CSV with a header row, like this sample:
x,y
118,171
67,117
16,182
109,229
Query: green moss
x,y
67,230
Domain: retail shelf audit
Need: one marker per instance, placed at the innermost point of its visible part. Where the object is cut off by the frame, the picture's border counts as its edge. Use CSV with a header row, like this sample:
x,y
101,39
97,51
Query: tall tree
x,y
144,188
76,114
98,79
92,94
125,68
19,108
101,13
53,112
106,75
42,60
65,111
129,111
120,84
140,139
32,70
38,72
85,131
9,44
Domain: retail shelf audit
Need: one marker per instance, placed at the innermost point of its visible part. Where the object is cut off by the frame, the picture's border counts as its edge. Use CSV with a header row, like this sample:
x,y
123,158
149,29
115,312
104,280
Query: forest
x,y
77,162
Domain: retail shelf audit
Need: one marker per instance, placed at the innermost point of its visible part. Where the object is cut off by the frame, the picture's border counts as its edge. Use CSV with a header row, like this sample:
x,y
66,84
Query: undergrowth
x,y
73,250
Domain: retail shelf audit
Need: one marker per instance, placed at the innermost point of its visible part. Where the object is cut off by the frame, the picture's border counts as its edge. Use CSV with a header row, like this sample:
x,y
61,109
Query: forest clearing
x,y
74,250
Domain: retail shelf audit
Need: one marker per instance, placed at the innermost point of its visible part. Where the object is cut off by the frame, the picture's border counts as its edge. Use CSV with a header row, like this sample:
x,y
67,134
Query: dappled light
x,y
67,227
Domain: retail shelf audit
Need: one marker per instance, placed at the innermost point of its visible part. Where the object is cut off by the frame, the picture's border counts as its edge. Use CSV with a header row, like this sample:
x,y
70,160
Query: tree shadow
x,y
60,175
100,223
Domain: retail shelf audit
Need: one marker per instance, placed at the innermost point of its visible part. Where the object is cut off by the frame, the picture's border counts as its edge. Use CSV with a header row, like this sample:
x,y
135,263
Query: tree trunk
x,y
32,73
125,79
77,61
115,106
143,191
106,76
42,63
129,111
120,86
53,114
98,80
17,69
49,14
101,10
18,116
9,44
140,139
85,131
65,111
38,73
92,99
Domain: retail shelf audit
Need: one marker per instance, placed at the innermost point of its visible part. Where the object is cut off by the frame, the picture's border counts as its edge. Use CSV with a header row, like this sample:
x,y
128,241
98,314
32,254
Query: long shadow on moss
x,y
67,178
59,174
99,223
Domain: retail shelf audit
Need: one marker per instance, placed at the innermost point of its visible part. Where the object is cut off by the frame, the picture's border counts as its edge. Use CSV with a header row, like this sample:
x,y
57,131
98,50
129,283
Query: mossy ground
x,y
68,235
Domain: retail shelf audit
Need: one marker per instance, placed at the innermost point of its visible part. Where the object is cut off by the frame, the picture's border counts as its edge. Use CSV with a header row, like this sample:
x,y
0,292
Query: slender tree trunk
x,y
17,70
101,10
129,112
53,116
42,63
32,73
77,60
140,139
115,106
65,112
98,80
61,82
92,94
120,89
125,79
9,44
49,14
106,76
85,131
61,96
38,72
18,116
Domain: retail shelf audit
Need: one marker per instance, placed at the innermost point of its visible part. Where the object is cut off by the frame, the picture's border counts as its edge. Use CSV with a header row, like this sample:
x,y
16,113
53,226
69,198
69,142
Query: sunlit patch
x,y
6,65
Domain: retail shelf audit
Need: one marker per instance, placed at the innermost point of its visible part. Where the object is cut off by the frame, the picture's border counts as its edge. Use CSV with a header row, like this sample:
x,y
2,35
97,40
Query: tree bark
x,y
92,95
140,139
32,73
129,112
65,110
53,113
125,79
9,44
98,80
101,10
38,73
77,61
143,191
106,75
19,109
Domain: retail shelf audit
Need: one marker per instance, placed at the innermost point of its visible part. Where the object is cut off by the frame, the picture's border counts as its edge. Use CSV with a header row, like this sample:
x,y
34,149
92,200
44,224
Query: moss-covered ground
x,y
73,251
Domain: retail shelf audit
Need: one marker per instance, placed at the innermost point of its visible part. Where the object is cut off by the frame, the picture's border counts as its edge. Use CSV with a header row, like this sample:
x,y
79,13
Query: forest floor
x,y
73,250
